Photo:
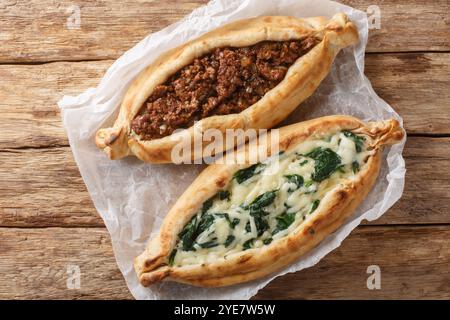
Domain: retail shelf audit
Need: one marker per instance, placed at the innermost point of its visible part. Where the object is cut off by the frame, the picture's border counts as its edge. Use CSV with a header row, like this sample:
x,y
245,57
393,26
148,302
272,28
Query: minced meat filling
x,y
225,81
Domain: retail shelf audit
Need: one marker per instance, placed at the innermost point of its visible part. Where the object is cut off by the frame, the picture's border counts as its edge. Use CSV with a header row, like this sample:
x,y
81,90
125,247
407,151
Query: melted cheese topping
x,y
237,223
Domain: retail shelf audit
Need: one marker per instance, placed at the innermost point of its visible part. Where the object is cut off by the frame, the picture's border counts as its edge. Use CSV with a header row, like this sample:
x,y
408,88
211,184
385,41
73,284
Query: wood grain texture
x,y
43,187
109,28
415,84
414,264
48,222
412,85
46,188
34,264
29,115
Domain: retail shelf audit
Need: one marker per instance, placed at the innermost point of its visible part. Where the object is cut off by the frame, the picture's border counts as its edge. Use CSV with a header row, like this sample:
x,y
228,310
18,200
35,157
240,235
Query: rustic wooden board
x,y
413,261
415,84
411,84
109,28
29,116
414,264
47,220
34,264
46,188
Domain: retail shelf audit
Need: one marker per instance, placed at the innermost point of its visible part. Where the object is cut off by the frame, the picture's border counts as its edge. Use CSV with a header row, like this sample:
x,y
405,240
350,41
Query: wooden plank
x,y
109,28
415,84
414,264
412,85
405,25
37,263
413,261
42,187
29,115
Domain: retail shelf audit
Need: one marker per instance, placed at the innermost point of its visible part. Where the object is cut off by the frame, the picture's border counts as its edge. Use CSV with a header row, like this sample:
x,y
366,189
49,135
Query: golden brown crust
x,y
302,79
151,266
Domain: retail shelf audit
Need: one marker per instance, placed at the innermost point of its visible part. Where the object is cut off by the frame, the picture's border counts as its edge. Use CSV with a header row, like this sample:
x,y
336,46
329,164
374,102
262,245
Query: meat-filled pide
x,y
248,74
226,81
236,223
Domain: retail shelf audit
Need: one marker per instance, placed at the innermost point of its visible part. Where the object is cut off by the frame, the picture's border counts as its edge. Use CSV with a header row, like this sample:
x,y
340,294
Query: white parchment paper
x,y
133,197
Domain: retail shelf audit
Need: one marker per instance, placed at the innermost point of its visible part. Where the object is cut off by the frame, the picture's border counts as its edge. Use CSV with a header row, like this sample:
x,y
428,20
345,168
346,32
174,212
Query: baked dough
x,y
338,202
301,80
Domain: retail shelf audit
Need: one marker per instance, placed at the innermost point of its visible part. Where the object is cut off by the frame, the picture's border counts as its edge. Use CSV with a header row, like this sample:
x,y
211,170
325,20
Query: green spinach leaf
x,y
224,194
209,244
248,244
260,223
315,205
248,227
234,222
295,179
355,166
193,229
326,162
205,222
172,257
188,234
207,205
245,174
265,199
284,221
229,240
358,140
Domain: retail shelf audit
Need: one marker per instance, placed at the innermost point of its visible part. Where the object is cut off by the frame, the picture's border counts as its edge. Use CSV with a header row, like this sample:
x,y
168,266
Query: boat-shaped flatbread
x,y
248,74
239,222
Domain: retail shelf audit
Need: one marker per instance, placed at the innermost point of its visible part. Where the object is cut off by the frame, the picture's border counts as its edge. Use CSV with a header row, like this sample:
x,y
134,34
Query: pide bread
x,y
248,74
239,222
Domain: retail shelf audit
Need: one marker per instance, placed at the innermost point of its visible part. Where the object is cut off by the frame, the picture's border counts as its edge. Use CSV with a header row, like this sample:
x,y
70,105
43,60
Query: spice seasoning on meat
x,y
225,81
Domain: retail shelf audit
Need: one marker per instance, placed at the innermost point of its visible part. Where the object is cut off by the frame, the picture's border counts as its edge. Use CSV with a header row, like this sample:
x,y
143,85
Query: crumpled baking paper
x,y
133,197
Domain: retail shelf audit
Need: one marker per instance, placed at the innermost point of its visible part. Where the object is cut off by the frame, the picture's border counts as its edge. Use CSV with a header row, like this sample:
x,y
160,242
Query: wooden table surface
x,y
48,222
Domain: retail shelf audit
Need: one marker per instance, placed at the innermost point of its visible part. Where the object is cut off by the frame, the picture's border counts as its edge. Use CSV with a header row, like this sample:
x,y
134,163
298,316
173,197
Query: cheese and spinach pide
x,y
269,200
236,223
